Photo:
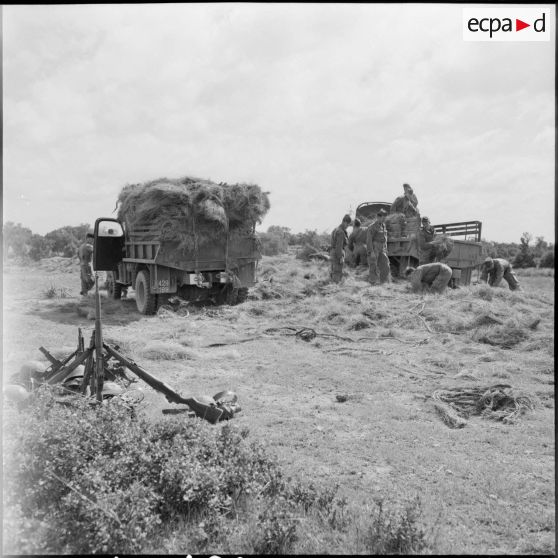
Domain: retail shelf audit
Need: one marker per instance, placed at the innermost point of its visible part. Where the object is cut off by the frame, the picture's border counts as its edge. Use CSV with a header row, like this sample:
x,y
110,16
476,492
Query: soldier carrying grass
x,y
431,277
493,270
357,244
85,255
339,241
376,245
427,253
406,204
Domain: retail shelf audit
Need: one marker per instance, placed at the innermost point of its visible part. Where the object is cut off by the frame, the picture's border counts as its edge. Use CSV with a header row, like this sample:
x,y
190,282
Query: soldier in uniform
x,y
339,241
493,270
426,236
431,277
376,245
406,204
357,244
85,255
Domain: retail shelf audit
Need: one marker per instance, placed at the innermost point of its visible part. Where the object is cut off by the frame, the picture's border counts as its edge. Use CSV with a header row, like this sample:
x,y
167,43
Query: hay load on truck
x,y
463,254
190,238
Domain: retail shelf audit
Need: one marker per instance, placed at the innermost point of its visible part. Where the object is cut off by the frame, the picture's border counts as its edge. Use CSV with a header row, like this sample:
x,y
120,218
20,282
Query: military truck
x,y
403,244
157,269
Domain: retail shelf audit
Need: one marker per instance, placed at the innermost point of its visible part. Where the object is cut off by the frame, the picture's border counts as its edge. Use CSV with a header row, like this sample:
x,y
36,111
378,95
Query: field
x,y
486,488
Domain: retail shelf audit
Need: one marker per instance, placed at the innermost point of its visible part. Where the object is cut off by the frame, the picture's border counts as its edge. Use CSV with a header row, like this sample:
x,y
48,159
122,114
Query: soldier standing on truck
x,y
85,254
339,241
357,244
431,277
376,245
427,253
407,203
493,270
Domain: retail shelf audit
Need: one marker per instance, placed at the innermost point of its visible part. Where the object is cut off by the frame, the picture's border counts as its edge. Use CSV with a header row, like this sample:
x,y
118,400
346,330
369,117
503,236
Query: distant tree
x,y
541,246
506,250
547,259
16,239
275,241
318,240
525,257
279,231
525,239
38,247
65,241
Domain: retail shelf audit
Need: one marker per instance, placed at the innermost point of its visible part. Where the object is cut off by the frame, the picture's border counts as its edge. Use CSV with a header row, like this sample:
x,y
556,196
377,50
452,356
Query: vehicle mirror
x,y
108,244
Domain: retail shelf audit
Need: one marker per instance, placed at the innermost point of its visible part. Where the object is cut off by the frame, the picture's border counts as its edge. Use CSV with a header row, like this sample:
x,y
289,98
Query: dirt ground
x,y
485,488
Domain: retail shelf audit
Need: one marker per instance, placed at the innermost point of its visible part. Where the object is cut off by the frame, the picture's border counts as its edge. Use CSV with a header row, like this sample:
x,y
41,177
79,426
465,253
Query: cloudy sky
x,y
325,106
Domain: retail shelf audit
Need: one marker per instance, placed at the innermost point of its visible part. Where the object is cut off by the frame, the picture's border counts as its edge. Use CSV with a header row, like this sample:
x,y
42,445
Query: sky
x,y
323,105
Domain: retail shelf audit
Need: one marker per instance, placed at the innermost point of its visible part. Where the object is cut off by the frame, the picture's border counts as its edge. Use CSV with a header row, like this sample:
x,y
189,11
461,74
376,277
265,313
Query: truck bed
x,y
142,246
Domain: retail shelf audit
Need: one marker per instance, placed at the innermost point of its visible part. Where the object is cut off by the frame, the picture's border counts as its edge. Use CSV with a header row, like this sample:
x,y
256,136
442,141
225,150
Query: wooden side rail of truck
x,y
404,250
156,269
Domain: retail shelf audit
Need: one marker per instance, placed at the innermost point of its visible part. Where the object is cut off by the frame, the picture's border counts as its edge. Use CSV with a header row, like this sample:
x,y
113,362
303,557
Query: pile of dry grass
x,y
310,253
164,350
190,210
507,335
497,402
395,224
442,245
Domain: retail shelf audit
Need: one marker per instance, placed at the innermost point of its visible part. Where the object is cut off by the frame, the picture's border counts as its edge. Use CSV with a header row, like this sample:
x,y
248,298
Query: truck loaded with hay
x,y
404,244
188,237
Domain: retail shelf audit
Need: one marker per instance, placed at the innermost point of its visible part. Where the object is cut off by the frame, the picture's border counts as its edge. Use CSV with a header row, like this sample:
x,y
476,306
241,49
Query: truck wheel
x,y
231,296
114,289
146,301
242,295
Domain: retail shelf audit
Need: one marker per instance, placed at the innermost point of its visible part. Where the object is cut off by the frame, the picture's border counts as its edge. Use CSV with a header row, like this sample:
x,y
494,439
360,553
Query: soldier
x,y
406,204
339,241
376,245
493,270
431,277
85,254
427,253
357,244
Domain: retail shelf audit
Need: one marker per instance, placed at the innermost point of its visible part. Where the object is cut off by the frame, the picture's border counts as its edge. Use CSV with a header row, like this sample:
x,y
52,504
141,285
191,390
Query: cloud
x,y
325,105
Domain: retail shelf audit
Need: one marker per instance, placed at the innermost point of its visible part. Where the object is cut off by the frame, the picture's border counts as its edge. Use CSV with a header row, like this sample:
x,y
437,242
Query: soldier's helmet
x,y
347,219
425,220
356,222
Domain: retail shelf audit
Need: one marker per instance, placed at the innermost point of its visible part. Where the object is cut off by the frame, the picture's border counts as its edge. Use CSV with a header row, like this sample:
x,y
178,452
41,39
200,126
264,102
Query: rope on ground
x,y
309,334
349,349
496,402
305,333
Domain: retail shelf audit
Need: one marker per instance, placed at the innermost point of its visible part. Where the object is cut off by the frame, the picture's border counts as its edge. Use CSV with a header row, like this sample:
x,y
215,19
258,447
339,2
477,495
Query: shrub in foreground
x,y
82,479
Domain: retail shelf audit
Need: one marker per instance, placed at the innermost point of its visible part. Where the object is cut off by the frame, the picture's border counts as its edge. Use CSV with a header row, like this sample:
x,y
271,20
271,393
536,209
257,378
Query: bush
x,y
547,259
38,247
273,245
81,478
524,259
391,533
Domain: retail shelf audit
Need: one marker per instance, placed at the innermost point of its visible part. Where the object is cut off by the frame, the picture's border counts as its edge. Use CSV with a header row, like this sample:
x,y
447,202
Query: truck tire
x,y
242,295
231,296
146,301
114,289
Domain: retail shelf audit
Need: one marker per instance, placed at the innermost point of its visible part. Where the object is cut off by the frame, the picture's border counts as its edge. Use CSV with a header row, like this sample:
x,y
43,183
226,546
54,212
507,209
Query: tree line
x,y
21,243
